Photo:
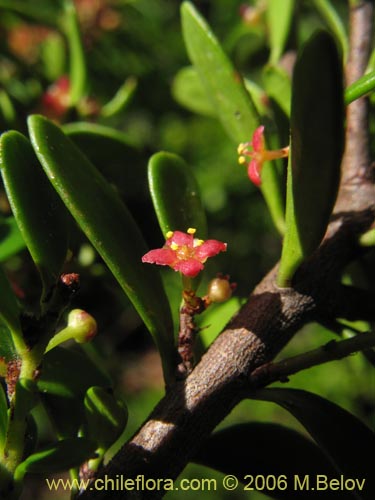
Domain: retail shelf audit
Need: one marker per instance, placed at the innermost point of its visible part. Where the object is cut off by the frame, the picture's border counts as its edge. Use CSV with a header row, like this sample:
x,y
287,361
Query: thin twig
x,y
332,351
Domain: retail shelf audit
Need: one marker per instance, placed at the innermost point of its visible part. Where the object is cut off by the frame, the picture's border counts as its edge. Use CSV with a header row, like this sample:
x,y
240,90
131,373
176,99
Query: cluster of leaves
x,y
86,175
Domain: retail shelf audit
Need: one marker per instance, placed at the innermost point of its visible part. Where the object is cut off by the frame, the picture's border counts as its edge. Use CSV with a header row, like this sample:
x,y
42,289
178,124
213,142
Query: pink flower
x,y
258,155
182,252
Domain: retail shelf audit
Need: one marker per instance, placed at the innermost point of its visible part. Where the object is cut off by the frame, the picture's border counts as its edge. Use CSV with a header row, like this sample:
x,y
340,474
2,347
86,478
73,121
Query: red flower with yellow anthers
x,y
184,253
258,155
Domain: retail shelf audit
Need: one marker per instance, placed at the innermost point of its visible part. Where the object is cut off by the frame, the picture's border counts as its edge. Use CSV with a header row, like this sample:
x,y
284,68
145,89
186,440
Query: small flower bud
x,y
84,325
81,327
219,290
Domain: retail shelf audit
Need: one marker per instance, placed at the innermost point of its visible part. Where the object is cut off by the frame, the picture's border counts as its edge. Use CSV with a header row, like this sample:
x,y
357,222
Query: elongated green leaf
x,y
281,455
226,90
104,412
175,194
188,91
121,99
7,111
113,155
78,70
9,310
279,17
63,455
11,240
66,375
39,212
3,417
109,226
224,86
278,86
69,373
329,14
344,438
317,138
53,56
361,87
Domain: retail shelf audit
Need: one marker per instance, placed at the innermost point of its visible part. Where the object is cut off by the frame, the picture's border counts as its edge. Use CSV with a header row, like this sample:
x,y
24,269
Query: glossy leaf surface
x,y
40,215
112,153
63,455
175,194
344,438
65,377
104,412
109,226
317,138
226,90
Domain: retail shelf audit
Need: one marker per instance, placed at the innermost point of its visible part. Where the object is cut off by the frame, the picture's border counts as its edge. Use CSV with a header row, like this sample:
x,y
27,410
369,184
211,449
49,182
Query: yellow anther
x,y
197,243
169,234
191,230
174,246
241,160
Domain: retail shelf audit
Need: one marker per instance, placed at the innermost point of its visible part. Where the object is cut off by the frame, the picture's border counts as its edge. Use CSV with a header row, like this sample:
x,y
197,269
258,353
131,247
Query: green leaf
x,y
53,56
329,14
66,375
188,91
344,438
175,194
109,226
104,412
11,240
281,453
40,214
63,455
3,417
78,70
360,87
7,111
113,154
279,15
214,319
223,85
226,90
317,138
278,86
7,348
9,310
121,99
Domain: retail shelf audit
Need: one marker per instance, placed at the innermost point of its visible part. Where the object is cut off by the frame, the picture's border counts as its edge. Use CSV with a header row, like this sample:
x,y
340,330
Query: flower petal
x,y
208,249
188,267
181,239
258,139
161,256
253,172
